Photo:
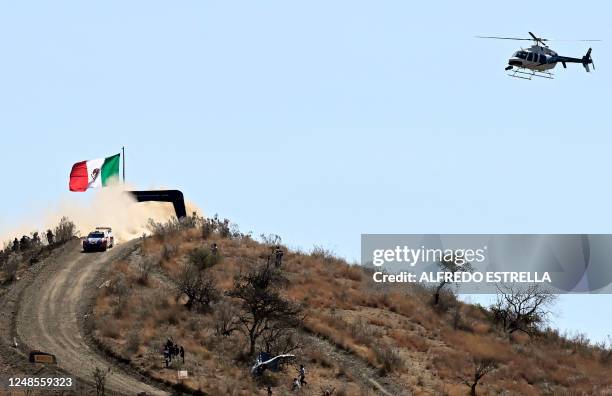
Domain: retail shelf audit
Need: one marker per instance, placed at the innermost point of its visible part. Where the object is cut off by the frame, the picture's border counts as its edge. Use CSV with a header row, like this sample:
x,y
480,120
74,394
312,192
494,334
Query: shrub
x,y
322,253
145,267
202,258
133,341
168,251
161,230
389,359
65,230
361,331
270,239
99,377
207,229
119,286
10,267
199,286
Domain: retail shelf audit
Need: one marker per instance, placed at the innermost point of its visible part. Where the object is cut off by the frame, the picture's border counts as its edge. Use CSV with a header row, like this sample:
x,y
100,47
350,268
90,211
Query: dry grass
x,y
394,330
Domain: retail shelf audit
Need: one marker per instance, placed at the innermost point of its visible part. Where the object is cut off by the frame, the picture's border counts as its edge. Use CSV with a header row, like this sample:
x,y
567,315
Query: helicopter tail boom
x,y
586,60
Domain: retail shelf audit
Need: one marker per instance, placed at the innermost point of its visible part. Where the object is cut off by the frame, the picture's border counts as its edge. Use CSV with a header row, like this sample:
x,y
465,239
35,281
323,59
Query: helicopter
x,y
539,59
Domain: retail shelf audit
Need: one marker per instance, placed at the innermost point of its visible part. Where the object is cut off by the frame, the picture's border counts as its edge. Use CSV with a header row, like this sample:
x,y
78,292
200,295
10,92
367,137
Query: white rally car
x,y
99,240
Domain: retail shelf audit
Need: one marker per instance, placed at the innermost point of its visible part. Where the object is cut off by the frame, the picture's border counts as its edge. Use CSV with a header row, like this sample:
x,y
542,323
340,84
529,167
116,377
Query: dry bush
x,y
207,229
448,363
202,258
222,228
457,318
352,272
133,341
320,358
362,332
108,328
389,359
270,240
168,250
65,230
10,267
119,309
162,230
579,342
409,341
119,286
145,266
319,252
605,351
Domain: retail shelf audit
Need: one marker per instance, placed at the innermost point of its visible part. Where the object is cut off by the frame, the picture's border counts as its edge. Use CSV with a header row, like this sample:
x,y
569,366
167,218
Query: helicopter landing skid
x,y
528,75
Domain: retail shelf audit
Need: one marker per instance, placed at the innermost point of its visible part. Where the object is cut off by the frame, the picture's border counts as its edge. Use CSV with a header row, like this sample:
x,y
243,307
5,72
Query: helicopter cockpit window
x,y
520,55
530,57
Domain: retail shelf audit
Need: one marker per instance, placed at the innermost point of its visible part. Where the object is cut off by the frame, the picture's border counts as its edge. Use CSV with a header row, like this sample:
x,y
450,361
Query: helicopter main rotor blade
x,y
536,39
575,40
504,38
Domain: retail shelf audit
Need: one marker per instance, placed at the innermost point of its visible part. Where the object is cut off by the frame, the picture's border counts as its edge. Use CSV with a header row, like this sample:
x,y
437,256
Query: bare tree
x,y
448,265
281,338
262,308
482,367
199,286
99,377
522,308
224,315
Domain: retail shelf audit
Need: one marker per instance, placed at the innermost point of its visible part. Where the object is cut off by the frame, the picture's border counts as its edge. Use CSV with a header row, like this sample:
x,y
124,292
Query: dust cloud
x,y
109,207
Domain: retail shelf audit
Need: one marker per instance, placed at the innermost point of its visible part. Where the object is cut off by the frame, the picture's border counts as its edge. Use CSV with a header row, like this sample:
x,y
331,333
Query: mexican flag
x,y
94,173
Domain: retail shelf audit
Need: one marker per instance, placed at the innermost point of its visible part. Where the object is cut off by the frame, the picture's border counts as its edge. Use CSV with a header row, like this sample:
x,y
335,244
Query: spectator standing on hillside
x,y
35,239
50,237
24,244
170,348
302,375
182,353
213,249
166,356
15,245
269,391
278,256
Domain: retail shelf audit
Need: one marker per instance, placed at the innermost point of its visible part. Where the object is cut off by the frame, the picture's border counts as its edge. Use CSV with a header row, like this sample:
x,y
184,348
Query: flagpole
x,y
123,152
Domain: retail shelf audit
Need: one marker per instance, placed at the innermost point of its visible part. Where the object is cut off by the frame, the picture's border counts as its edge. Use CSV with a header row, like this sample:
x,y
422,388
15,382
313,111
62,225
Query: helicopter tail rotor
x,y
588,60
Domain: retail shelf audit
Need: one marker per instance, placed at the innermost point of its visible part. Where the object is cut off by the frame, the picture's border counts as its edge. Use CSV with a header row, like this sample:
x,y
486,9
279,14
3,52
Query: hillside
x,y
352,335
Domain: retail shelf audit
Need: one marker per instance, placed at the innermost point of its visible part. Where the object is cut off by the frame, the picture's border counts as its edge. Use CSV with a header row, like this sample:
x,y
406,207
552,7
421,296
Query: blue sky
x,y
317,121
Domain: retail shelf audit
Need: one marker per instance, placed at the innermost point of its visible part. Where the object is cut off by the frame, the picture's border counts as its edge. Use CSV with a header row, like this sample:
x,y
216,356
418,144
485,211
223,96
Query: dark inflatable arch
x,y
174,196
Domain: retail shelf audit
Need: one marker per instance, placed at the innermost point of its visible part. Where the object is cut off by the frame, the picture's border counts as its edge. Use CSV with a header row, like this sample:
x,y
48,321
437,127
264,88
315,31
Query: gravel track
x,y
52,308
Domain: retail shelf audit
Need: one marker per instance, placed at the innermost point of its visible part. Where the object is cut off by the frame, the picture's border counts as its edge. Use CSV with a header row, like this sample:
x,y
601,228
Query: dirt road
x,y
51,310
